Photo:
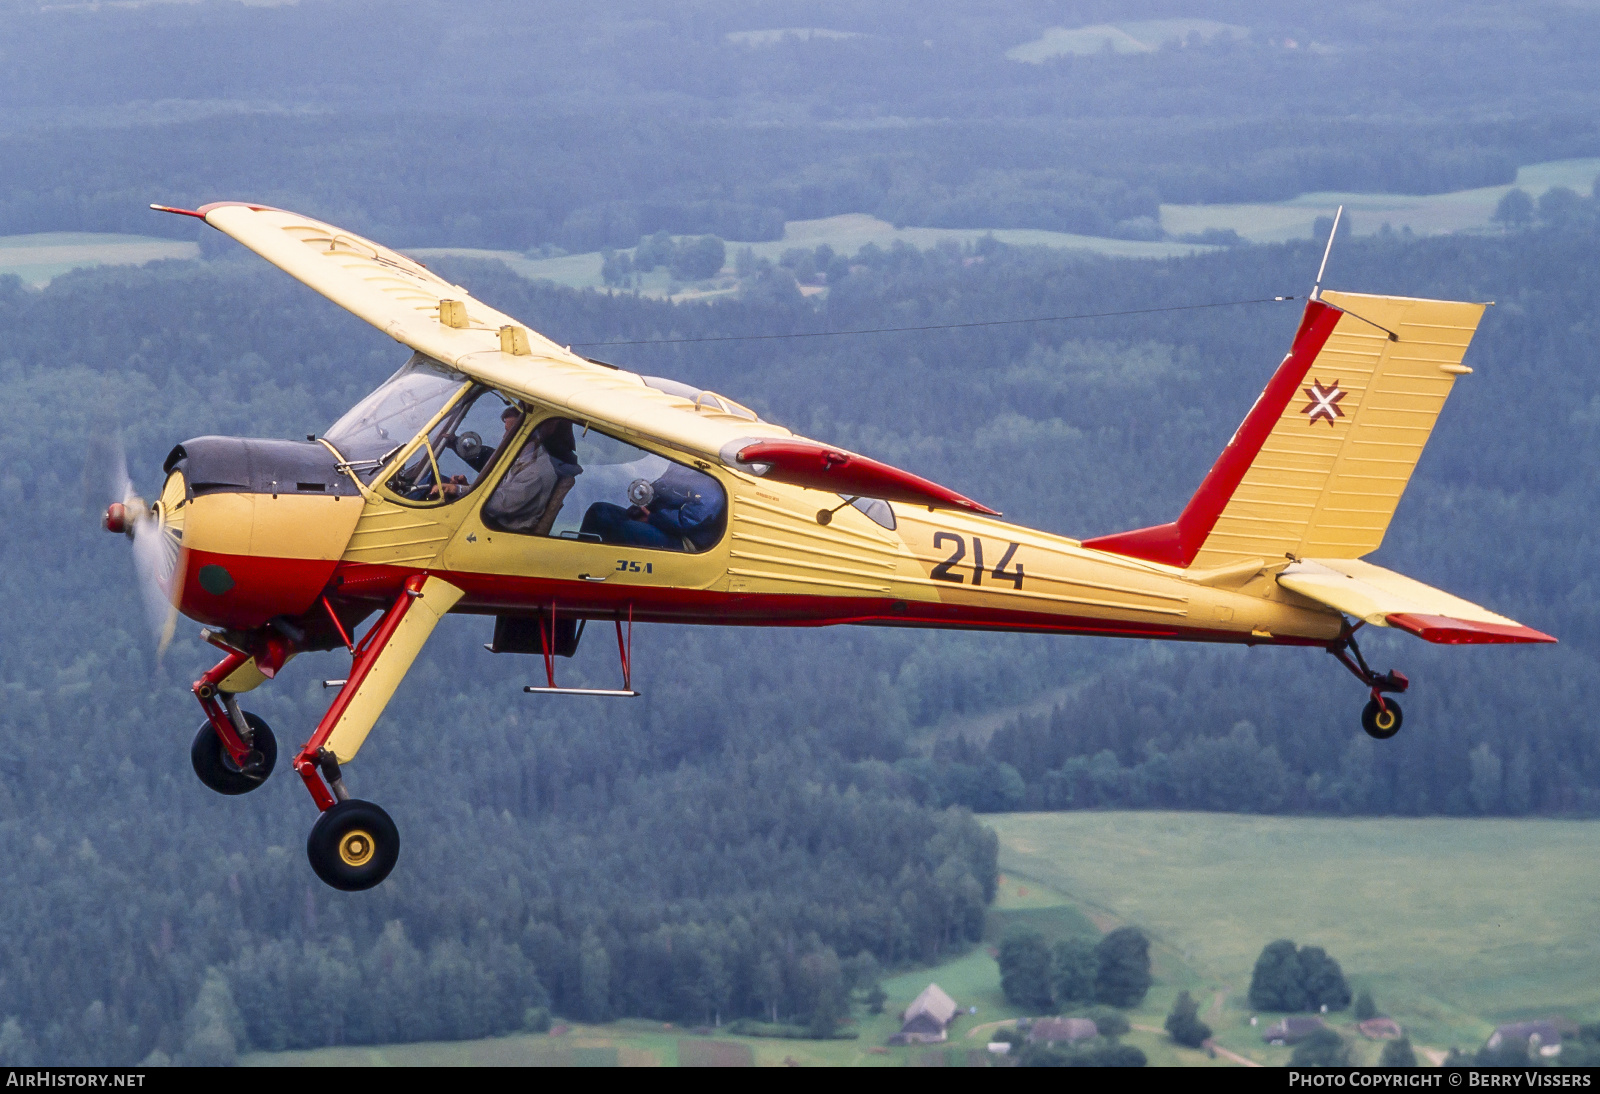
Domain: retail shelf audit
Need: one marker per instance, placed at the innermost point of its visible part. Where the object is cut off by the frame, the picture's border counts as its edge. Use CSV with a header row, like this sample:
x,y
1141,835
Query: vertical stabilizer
x,y
1319,464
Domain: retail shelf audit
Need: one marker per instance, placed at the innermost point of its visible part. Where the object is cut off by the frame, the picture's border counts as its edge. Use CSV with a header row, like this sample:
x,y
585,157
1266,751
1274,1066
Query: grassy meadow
x,y
846,234
42,256
1424,214
1453,924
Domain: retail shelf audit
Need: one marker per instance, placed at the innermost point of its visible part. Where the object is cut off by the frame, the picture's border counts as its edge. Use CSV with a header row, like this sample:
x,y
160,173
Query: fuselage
x,y
294,535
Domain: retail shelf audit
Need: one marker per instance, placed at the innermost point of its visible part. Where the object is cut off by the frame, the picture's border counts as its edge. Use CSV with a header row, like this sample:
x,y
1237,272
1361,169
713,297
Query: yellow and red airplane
x,y
499,474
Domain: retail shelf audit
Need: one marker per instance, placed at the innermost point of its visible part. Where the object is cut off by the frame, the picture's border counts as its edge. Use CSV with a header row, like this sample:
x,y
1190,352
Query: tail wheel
x,y
1382,722
353,845
218,770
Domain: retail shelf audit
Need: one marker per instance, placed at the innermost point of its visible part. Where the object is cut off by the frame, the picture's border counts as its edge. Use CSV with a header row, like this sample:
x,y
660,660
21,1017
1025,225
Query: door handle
x,y
591,577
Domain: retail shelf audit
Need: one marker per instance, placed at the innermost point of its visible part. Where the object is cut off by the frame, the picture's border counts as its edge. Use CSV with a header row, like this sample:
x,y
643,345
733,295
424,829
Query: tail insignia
x,y
1324,402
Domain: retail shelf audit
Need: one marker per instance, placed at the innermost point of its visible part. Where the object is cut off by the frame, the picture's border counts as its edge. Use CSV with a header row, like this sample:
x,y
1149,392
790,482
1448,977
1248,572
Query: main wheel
x,y
353,846
217,769
1382,722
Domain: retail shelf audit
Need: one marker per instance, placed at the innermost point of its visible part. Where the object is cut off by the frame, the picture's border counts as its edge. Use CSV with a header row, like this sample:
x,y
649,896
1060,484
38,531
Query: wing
x,y
415,306
1387,599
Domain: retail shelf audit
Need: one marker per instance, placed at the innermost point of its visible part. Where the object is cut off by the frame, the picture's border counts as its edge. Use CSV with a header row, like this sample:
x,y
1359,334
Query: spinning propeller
x,y
158,555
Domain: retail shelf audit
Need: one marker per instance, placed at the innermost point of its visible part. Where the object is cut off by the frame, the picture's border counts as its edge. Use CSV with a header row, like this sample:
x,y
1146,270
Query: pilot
x,y
537,481
510,417
685,513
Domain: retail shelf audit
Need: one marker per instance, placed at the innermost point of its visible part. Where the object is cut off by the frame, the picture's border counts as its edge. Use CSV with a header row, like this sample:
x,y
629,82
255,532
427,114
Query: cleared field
x,y
1267,222
41,257
1424,214
1145,36
846,234
1453,923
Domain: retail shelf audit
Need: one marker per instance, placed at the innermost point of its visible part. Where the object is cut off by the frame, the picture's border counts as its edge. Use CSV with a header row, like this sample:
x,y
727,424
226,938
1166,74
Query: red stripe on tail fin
x,y
1177,543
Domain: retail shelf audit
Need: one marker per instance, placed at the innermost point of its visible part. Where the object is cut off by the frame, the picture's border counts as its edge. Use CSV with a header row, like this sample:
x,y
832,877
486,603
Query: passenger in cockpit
x,y
531,492
684,513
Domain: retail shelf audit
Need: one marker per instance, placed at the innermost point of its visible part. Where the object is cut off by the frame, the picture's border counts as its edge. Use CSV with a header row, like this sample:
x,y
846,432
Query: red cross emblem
x,y
1324,402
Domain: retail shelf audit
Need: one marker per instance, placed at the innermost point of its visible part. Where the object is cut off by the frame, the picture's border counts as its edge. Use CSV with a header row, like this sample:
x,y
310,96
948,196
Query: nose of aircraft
x,y
116,519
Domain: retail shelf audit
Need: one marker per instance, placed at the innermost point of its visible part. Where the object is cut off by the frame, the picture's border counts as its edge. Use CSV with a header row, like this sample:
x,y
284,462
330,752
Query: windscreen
x,y
394,413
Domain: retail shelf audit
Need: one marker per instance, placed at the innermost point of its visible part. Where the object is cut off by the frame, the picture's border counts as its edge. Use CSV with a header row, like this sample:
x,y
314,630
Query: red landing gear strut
x,y
354,844
1381,717
221,710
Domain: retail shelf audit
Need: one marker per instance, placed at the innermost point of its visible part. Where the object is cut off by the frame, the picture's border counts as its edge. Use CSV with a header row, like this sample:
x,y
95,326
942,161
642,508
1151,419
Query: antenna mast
x,y
1316,290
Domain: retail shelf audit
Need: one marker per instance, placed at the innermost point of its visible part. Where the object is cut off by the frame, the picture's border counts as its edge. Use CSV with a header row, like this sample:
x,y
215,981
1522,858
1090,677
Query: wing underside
x,y
415,306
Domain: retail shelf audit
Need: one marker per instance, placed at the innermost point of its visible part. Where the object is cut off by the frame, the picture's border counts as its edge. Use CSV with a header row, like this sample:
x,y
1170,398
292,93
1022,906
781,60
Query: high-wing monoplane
x,y
499,474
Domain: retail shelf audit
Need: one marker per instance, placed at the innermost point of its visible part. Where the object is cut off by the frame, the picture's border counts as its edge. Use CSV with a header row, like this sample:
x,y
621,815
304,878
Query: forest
x,y
785,812
785,815
431,124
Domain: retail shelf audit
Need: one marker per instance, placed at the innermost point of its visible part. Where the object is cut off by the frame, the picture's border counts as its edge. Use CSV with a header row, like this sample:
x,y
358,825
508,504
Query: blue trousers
x,y
613,525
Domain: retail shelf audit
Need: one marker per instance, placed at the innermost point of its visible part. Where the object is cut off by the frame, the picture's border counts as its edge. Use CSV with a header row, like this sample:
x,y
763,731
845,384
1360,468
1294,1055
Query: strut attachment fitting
x,y
1392,680
329,764
223,712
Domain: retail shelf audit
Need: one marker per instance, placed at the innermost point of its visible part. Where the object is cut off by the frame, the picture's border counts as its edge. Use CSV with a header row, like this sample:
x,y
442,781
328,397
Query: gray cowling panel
x,y
214,465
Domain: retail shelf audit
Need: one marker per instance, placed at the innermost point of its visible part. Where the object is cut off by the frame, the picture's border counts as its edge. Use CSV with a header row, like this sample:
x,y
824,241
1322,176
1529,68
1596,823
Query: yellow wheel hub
x,y
1385,719
356,847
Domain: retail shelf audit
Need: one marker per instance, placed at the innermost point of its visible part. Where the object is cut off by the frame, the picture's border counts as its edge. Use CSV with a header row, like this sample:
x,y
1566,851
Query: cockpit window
x,y
877,510
461,450
573,482
393,414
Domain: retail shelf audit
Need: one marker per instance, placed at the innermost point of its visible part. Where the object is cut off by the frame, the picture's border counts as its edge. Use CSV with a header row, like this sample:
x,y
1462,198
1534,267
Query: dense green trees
x,y
682,857
1364,1007
1072,971
670,120
1289,979
1122,967
1025,973
1115,971
1091,1054
1322,1048
1183,1022
1398,1053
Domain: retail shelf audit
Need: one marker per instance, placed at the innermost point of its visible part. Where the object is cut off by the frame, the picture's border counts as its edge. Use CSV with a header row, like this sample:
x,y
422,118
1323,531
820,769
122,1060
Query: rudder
x,y
1319,464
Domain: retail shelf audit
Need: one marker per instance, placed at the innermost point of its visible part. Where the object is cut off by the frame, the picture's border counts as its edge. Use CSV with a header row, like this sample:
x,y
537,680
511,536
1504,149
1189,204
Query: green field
x,y
40,257
1454,924
846,234
1424,214
1146,36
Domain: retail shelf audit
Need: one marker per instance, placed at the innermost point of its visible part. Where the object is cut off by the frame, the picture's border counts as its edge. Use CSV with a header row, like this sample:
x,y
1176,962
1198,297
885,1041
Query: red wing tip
x,y
252,206
1450,631
175,209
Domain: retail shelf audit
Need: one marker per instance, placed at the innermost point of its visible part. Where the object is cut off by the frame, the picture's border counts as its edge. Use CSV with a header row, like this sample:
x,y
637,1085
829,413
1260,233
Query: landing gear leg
x,y
354,844
1381,717
234,751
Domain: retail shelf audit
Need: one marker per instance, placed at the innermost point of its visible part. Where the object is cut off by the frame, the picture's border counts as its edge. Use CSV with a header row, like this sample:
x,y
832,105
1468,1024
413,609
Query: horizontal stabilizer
x,y
1387,599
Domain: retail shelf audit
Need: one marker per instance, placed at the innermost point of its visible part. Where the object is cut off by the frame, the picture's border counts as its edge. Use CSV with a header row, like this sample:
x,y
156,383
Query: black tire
x,y
1379,723
217,769
353,846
